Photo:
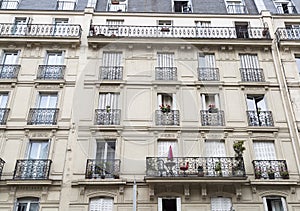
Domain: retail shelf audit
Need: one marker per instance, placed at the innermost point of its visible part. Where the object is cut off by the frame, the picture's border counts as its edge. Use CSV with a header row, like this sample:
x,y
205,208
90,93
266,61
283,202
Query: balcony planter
x,y
102,176
218,168
116,176
284,175
200,171
271,174
212,108
108,109
165,108
258,174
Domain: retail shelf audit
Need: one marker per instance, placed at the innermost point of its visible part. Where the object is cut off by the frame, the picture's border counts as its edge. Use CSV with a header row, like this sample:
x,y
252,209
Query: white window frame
x,y
235,3
101,204
166,99
264,150
110,99
165,59
208,99
297,60
49,97
58,55
254,105
92,3
279,3
160,199
282,199
117,5
70,4
218,203
249,60
29,201
3,99
7,53
208,59
112,59
105,152
38,144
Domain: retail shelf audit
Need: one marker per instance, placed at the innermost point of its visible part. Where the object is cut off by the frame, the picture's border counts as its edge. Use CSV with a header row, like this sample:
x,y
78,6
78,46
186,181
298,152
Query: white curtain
x,y
163,148
264,150
38,150
108,99
47,101
165,59
111,59
206,60
10,57
54,58
215,148
249,61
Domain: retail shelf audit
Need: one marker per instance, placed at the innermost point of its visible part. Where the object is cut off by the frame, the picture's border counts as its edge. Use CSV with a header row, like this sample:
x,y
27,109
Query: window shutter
x,y
220,204
264,150
101,204
215,148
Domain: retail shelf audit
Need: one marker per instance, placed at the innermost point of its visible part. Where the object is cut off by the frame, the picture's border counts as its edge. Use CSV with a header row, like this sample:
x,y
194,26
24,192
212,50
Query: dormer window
x,y
182,6
235,7
117,5
285,7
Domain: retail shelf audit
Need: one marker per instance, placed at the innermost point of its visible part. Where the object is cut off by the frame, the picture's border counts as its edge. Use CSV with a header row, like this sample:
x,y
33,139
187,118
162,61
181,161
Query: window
x,y
54,58
8,67
10,57
220,204
106,149
3,109
169,203
264,150
3,100
236,6
111,64
256,103
92,3
110,100
215,148
285,7
207,70
27,204
9,4
297,58
210,100
101,204
66,5
182,6
163,147
112,59
47,100
164,23
165,59
250,70
203,23
38,149
274,203
117,5
165,69
166,100
206,60
241,29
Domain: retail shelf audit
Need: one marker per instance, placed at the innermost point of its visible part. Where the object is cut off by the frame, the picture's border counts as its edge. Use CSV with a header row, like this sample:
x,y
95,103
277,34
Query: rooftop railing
x,y
237,9
288,34
34,169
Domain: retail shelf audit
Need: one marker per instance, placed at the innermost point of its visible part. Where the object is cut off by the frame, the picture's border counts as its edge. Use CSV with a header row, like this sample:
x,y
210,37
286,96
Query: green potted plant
x,y
200,171
165,108
108,109
239,149
212,108
271,173
284,174
257,173
218,168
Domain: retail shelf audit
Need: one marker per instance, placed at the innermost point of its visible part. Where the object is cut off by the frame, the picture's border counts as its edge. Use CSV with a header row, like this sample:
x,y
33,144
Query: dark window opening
x,y
169,205
181,6
242,30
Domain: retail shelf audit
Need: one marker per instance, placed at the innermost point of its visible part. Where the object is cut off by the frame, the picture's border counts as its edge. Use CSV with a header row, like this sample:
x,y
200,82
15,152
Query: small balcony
x,y
2,162
237,9
9,4
42,116
106,168
208,74
107,117
252,75
270,169
111,73
66,5
287,34
40,30
167,117
175,32
9,71
212,118
166,73
261,118
286,10
4,115
32,169
51,72
208,167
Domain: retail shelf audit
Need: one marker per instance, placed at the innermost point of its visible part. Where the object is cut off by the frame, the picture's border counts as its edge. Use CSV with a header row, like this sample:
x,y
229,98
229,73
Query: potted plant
x,y
165,108
218,168
200,171
108,109
271,173
239,149
284,174
257,173
116,176
212,108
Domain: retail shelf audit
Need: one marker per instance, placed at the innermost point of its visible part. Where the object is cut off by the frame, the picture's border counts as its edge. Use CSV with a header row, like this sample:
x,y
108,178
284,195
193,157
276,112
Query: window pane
x,y
163,147
264,150
220,204
34,207
101,204
215,148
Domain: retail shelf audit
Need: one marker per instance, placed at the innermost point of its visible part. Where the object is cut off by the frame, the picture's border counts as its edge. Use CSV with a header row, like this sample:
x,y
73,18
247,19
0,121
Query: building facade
x,y
144,105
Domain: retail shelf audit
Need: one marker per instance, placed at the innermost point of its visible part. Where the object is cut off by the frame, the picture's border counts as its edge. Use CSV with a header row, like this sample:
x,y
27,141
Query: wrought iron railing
x,y
111,73
208,74
40,30
120,7
32,169
195,166
237,9
9,71
167,118
260,118
51,72
175,32
4,4
215,118
65,5
286,9
287,34
4,115
102,168
2,162
107,117
252,74
42,116
267,168
166,73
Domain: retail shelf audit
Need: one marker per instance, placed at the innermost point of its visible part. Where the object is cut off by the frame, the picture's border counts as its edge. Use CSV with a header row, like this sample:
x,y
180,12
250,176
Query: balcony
x,y
287,34
51,72
107,117
9,71
208,167
252,75
261,118
209,118
270,169
32,169
166,73
175,32
111,73
66,5
108,168
40,30
237,9
3,115
42,116
167,118
2,162
286,9
9,4
208,74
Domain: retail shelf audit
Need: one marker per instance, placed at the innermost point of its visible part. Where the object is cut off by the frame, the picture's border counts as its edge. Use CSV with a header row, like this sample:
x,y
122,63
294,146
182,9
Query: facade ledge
x,y
209,83
195,179
274,182
106,127
28,40
254,83
92,182
41,127
33,182
39,81
166,82
262,129
101,82
215,128
165,128
289,43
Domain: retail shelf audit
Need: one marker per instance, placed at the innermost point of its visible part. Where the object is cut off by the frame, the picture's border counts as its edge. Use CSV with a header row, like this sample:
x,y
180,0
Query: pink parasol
x,y
170,153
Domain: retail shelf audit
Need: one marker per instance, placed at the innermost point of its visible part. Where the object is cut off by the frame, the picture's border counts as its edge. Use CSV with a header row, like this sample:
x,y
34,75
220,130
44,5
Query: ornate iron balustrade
x,y
175,32
51,72
286,10
166,73
65,5
208,74
32,169
111,73
237,9
42,116
103,168
167,118
261,118
209,118
262,168
9,4
4,115
107,117
252,74
120,7
197,166
40,30
9,71
287,34
2,162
